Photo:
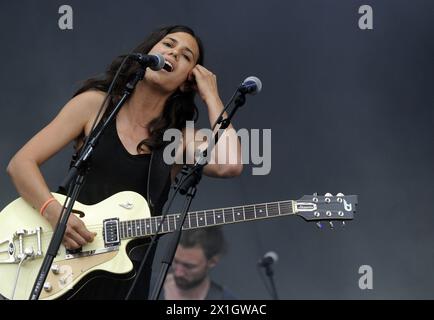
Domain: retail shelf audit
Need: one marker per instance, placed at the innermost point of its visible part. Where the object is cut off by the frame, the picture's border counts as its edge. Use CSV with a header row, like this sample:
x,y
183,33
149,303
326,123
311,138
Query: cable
x,y
266,285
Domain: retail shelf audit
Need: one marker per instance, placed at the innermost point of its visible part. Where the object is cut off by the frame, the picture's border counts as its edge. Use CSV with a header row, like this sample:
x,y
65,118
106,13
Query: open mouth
x,y
168,66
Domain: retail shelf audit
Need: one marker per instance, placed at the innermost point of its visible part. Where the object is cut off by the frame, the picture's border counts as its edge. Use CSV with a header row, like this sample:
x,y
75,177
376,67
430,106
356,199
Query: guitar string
x,y
206,213
98,227
213,213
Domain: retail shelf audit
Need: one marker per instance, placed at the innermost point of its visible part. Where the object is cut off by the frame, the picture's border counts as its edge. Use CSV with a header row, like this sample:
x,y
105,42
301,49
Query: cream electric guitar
x,y
118,220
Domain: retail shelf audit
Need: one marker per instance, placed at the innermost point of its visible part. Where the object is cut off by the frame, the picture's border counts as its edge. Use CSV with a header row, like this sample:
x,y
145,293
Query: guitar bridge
x,y
20,253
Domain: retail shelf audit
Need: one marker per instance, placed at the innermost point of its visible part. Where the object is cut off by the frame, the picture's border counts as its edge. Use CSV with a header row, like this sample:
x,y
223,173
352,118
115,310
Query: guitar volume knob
x,y
55,269
48,287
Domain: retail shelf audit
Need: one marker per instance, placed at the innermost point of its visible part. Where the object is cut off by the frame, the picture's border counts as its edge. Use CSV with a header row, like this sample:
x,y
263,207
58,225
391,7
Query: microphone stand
x,y
190,177
77,173
269,272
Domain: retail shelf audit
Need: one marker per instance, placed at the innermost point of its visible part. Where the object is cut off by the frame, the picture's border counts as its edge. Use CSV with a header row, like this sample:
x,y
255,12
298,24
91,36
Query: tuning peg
x,y
331,224
319,225
340,194
343,224
328,194
315,194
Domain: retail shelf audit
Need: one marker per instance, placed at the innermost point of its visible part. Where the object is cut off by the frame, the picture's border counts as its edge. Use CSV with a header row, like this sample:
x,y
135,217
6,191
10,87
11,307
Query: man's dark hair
x,y
210,239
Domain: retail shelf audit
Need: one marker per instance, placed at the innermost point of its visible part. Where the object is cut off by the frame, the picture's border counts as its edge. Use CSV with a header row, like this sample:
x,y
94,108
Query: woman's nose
x,y
174,53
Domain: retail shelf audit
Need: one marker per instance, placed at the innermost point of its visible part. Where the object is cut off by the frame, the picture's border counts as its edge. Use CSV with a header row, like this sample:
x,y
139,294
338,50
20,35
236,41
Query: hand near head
x,y
204,82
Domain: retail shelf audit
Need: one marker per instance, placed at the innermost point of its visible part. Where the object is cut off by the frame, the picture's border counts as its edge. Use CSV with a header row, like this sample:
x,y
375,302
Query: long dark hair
x,y
180,106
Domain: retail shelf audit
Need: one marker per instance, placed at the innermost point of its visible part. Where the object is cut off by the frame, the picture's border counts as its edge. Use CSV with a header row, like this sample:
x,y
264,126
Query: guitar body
x,y
72,270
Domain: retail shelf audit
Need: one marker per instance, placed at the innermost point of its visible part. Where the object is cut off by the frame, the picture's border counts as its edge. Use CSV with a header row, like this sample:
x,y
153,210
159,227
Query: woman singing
x,y
129,154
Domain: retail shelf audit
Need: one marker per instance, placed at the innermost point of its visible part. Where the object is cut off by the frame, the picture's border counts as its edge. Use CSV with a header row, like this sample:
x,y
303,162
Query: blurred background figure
x,y
198,252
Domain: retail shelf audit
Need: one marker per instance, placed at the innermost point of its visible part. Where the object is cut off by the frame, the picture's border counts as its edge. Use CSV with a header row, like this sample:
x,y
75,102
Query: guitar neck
x,y
207,218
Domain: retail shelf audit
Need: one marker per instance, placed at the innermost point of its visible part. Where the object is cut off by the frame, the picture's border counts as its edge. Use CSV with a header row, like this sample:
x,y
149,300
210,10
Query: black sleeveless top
x,y
113,169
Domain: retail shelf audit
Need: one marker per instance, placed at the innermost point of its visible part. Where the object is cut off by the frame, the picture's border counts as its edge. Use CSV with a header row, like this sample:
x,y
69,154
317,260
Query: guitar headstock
x,y
326,208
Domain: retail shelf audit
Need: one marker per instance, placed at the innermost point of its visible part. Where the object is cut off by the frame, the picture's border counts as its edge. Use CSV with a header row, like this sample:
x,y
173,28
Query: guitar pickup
x,y
111,232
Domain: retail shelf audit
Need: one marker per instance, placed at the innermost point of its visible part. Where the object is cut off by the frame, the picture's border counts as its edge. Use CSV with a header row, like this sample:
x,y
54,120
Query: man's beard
x,y
186,285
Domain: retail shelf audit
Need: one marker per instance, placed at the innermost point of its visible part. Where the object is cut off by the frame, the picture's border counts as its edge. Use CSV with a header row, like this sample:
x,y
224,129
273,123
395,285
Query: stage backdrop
x,y
350,110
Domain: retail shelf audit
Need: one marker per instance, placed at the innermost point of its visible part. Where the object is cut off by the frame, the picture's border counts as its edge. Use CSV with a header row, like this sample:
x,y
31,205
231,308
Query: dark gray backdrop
x,y
350,111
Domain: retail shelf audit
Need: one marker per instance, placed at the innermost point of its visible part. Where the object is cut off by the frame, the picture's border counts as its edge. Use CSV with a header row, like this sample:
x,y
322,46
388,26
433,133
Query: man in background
x,y
199,251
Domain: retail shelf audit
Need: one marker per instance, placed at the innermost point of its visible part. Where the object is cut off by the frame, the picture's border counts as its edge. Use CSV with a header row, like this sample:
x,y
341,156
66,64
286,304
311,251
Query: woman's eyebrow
x,y
185,48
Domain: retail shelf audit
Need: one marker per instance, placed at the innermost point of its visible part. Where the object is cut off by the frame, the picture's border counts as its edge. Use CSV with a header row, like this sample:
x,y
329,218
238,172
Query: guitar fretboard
x,y
206,218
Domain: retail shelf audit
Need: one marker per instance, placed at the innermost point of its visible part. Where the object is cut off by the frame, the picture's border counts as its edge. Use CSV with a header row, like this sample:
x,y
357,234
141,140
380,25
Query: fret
x,y
175,217
249,212
209,216
183,224
285,207
129,229
124,227
157,224
193,219
171,220
158,221
219,217
238,213
120,230
178,220
136,228
261,211
273,209
136,233
142,227
228,215
167,224
133,228
189,220
187,223
148,226
161,222
153,225
201,217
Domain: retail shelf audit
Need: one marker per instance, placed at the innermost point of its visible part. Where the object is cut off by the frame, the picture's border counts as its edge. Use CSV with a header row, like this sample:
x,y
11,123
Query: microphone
x,y
153,61
268,259
250,85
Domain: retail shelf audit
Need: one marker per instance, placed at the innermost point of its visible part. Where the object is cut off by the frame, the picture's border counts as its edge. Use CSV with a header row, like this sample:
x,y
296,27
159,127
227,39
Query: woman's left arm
x,y
225,160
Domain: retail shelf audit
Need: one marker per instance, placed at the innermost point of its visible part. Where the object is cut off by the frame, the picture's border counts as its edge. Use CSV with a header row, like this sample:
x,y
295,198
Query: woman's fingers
x,y
81,229
75,236
206,82
70,244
